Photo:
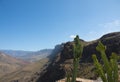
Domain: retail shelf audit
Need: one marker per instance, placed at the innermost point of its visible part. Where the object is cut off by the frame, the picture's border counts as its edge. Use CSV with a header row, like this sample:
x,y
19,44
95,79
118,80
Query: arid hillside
x,y
9,64
27,73
63,61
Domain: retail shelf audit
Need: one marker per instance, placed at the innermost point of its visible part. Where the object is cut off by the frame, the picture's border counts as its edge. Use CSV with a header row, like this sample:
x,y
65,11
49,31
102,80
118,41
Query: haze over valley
x,y
59,40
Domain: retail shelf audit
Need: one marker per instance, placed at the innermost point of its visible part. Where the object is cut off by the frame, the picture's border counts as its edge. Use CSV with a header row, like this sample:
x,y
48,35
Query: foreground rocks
x,y
81,80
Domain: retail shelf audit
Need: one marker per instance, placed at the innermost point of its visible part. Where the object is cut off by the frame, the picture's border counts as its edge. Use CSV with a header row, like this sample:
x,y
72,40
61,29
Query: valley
x,y
52,65
30,56
9,64
22,65
59,40
26,73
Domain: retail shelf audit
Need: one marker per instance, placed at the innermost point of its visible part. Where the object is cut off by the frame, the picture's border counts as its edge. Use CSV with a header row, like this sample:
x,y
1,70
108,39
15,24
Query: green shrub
x,y
109,70
77,50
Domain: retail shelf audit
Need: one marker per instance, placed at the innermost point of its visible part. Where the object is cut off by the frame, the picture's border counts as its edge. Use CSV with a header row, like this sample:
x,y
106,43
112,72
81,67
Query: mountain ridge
x,y
30,56
9,64
57,69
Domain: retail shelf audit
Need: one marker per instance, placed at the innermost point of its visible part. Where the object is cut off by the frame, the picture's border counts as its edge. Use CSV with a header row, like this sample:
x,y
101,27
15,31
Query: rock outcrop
x,y
57,69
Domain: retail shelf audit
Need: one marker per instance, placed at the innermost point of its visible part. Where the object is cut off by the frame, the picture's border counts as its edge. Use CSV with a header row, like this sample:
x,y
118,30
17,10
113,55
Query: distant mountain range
x,y
31,56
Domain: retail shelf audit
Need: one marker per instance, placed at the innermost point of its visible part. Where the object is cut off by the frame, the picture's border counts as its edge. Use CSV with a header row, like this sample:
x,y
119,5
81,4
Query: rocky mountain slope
x,y
31,71
63,61
9,64
26,73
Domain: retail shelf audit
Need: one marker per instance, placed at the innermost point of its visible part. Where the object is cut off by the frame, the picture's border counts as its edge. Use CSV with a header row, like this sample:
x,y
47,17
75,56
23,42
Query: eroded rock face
x,y
56,69
111,41
51,73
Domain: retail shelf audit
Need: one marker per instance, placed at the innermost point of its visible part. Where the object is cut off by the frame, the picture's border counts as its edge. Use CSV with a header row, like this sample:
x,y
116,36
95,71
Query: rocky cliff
x,y
63,61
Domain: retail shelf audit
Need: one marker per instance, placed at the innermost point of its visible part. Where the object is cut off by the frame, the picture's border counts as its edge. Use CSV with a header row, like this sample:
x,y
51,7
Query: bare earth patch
x,y
80,80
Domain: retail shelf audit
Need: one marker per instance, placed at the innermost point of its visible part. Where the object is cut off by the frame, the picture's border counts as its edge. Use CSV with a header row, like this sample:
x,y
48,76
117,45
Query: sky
x,y
41,24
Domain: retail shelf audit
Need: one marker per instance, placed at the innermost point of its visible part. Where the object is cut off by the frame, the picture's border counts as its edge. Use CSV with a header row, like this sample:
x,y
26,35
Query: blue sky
x,y
39,24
